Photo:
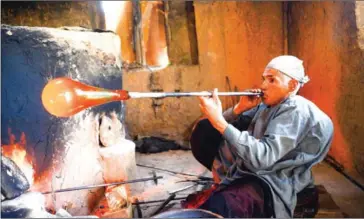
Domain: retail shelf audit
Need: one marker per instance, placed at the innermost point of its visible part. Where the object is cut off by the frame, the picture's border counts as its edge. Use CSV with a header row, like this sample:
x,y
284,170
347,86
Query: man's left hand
x,y
212,109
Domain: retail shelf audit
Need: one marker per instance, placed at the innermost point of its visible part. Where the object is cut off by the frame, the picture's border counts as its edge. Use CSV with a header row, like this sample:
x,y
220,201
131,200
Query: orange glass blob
x,y
64,97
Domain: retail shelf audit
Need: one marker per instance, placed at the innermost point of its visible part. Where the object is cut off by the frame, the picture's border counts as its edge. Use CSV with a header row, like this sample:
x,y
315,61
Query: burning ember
x,y
115,199
17,152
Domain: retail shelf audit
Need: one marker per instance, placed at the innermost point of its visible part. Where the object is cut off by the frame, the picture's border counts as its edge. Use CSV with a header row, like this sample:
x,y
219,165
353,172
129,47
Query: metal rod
x,y
138,209
175,172
188,94
156,201
102,185
164,204
182,189
171,197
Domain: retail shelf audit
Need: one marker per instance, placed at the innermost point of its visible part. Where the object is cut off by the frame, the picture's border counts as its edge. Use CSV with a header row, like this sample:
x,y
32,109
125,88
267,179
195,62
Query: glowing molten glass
x,y
64,97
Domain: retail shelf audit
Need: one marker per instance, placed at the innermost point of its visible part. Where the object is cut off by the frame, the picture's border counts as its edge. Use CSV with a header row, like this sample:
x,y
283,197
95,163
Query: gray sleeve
x,y
279,138
230,116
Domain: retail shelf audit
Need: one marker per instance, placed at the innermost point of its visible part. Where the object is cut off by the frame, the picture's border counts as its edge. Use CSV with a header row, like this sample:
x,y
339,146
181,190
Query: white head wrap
x,y
290,66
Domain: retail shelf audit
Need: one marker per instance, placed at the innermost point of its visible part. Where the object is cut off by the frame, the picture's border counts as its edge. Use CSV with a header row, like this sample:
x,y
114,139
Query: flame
x,y
16,151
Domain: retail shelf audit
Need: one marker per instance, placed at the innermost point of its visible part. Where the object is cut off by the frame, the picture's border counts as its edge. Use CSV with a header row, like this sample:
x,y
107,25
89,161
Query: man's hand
x,y
247,102
212,109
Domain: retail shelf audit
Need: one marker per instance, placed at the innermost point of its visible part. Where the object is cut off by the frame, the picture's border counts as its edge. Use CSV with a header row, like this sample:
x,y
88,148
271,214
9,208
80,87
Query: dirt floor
x,y
179,161
344,194
347,196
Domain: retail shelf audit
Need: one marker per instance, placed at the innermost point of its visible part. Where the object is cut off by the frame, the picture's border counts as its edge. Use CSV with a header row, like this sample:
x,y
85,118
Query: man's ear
x,y
292,84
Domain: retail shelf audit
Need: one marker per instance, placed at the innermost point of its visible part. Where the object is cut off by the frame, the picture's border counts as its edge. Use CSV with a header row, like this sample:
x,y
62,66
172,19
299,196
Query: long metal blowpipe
x,y
187,94
64,97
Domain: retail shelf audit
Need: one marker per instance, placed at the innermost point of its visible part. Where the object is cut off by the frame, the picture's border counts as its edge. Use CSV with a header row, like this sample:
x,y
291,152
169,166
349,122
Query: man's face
x,y
275,87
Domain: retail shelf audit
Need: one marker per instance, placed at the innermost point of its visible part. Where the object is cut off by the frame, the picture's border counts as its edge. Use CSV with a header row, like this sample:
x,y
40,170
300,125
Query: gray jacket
x,y
281,145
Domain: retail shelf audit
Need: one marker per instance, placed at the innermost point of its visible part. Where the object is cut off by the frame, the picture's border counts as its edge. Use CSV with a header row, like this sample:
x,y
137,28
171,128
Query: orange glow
x,y
43,181
326,97
154,34
119,18
17,153
116,198
64,97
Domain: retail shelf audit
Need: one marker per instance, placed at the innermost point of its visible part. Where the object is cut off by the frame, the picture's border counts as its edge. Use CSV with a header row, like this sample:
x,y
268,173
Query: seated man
x,y
267,149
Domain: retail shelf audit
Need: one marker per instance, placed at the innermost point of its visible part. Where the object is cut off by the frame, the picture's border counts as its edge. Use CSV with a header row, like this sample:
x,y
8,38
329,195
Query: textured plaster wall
x,y
51,14
171,118
329,37
182,47
236,45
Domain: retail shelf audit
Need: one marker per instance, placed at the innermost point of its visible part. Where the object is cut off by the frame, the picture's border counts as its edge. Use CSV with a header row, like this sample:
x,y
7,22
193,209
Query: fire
x,y
16,151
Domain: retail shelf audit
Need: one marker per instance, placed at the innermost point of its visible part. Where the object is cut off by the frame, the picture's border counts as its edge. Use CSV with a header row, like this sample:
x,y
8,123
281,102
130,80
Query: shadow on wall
x,y
350,103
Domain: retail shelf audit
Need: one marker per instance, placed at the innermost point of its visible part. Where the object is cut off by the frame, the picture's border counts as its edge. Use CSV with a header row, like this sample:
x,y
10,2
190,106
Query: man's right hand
x,y
247,102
